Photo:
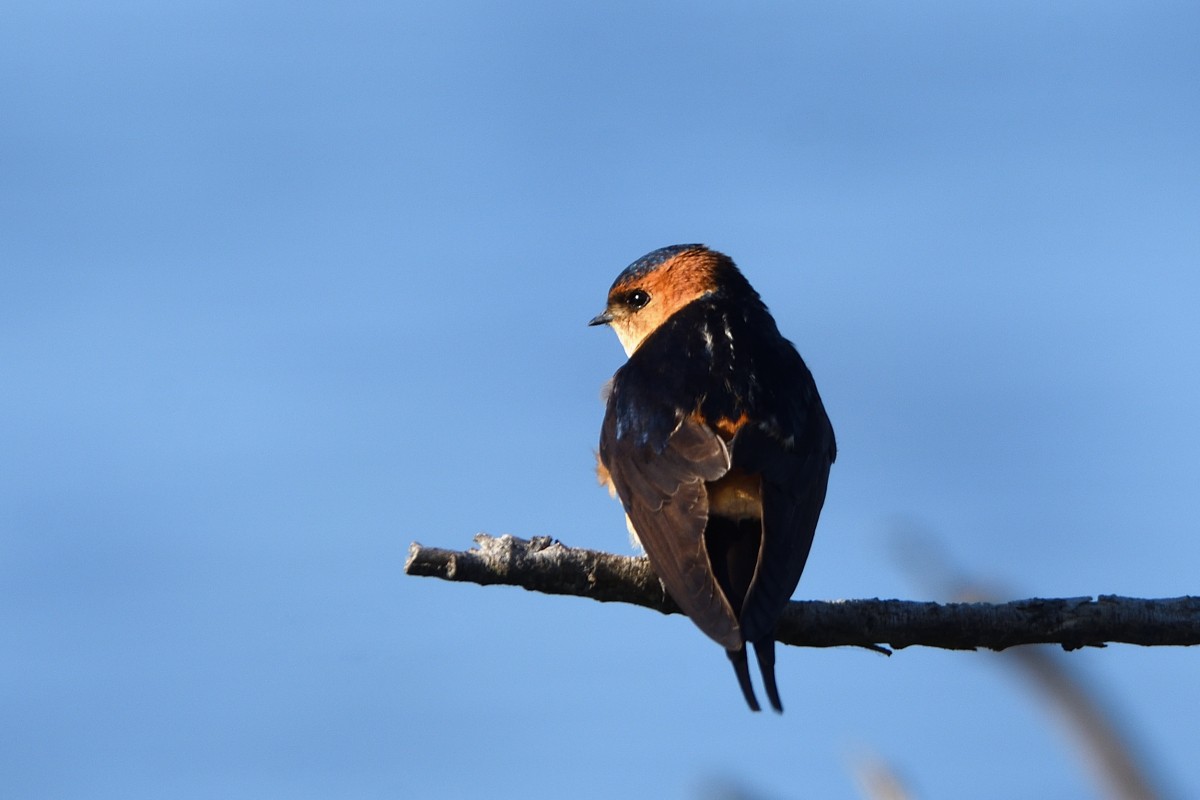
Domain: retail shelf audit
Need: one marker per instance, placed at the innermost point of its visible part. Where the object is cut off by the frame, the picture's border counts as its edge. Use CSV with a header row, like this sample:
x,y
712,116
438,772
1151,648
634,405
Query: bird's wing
x,y
793,491
661,485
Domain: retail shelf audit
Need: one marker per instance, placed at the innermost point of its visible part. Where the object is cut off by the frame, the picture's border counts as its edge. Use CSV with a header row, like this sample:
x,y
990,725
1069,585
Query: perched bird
x,y
717,444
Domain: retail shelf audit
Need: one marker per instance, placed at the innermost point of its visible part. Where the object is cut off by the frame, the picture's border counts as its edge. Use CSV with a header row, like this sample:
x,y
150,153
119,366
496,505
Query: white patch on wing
x,y
708,339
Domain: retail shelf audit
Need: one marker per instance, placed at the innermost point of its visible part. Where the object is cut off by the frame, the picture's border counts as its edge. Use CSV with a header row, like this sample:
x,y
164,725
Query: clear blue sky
x,y
288,286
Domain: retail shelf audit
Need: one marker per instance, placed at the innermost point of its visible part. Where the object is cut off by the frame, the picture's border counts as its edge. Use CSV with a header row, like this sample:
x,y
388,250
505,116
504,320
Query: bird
x,y
718,446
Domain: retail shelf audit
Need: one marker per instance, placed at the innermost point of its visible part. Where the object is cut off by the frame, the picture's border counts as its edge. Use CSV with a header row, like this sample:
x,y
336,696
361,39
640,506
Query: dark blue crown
x,y
647,263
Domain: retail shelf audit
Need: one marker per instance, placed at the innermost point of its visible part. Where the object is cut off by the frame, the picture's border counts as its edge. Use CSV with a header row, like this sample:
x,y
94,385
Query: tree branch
x,y
545,565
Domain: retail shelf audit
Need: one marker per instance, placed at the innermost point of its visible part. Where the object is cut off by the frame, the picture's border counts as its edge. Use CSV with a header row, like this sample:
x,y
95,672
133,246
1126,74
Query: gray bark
x,y
545,565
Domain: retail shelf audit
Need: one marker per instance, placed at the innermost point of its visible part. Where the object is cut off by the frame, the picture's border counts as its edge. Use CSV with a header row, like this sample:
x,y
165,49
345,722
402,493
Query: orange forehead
x,y
690,273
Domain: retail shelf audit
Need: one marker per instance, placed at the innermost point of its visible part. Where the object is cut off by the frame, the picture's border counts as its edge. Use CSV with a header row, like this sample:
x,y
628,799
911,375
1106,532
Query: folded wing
x,y
666,500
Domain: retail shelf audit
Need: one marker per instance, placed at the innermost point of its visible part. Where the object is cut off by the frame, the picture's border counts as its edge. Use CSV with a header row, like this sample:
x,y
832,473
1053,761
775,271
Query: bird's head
x,y
657,285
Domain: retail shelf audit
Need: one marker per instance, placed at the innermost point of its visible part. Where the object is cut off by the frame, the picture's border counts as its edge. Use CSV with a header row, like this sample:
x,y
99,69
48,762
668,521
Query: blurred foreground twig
x,y
1119,770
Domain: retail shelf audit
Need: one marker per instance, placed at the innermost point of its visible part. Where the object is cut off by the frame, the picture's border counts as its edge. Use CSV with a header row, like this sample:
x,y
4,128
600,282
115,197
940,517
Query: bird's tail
x,y
765,650
741,668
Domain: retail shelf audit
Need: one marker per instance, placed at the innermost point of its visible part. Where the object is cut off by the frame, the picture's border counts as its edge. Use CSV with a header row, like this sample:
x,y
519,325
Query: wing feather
x,y
793,491
664,495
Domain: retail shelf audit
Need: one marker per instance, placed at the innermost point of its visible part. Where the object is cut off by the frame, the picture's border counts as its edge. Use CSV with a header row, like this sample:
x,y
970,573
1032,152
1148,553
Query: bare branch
x,y
545,565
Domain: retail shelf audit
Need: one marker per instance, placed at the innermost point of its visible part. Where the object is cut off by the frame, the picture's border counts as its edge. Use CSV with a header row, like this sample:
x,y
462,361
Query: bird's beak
x,y
603,318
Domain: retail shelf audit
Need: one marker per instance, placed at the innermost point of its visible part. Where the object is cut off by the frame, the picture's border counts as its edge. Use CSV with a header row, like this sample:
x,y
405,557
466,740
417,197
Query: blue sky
x,y
289,286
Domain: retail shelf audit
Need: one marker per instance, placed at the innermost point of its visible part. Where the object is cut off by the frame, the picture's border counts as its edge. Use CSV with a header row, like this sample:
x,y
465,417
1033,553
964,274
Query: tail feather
x,y
742,668
765,650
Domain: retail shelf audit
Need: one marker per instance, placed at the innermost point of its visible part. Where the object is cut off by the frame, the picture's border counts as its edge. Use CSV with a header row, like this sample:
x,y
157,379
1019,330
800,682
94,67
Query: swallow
x,y
718,446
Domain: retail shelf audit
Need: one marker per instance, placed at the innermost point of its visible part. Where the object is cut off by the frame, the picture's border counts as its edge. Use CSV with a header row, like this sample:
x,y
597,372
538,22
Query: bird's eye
x,y
637,298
